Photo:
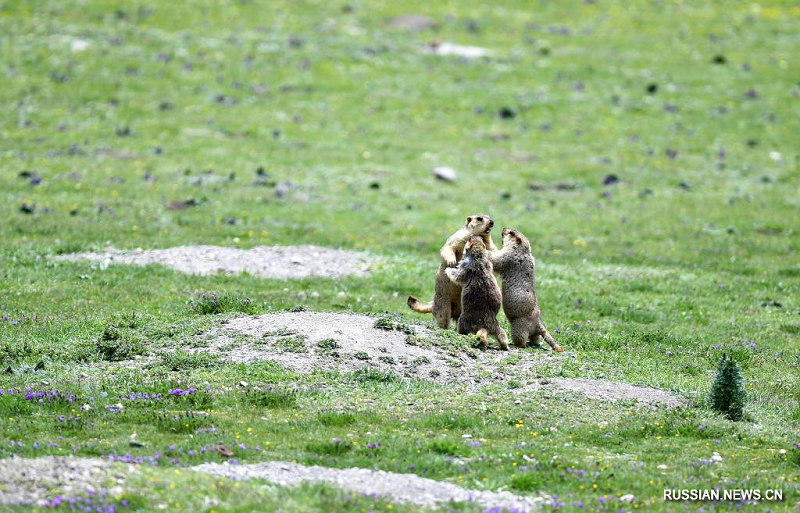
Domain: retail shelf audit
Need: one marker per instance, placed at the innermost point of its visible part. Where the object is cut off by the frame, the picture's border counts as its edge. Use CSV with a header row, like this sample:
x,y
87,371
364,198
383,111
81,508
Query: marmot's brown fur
x,y
516,267
480,294
446,302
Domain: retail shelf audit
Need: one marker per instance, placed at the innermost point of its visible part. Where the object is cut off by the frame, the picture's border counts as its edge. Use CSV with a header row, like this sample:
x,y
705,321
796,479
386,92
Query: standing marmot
x,y
480,296
446,302
515,264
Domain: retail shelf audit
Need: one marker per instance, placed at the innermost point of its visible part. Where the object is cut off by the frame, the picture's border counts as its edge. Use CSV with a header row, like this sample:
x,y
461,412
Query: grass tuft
x,y
210,304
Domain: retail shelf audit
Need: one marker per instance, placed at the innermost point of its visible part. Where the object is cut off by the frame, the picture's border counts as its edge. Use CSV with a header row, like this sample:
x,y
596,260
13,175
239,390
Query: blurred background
x,y
645,131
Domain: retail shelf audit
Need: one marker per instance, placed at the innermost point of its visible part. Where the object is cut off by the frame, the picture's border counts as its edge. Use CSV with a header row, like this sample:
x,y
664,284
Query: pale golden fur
x,y
446,302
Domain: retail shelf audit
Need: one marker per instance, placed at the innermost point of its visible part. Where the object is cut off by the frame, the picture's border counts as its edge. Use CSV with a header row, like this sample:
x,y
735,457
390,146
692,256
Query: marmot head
x,y
475,248
479,224
513,238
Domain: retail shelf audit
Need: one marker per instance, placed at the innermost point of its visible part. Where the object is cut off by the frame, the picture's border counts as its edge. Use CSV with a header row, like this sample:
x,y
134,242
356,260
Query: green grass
x,y
308,122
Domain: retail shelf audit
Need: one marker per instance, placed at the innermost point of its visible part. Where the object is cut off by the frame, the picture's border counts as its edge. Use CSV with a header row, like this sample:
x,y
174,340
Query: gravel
x,y
305,341
32,481
36,480
281,262
609,391
407,488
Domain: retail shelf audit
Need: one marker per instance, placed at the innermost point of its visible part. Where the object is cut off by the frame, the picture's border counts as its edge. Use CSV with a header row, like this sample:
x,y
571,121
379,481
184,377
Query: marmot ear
x,y
469,219
519,240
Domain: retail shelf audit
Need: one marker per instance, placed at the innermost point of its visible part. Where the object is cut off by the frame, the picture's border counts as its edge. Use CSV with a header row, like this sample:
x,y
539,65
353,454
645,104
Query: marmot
x,y
516,265
480,295
446,302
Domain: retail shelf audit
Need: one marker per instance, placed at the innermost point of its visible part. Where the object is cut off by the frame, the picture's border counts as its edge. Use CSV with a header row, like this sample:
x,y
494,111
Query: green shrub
x,y
444,446
216,304
120,347
336,418
527,482
335,447
373,376
727,393
328,343
328,347
182,360
296,344
271,398
388,324
793,329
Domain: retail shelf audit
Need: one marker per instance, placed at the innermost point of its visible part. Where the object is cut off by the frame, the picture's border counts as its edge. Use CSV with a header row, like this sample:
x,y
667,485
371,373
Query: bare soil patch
x,y
34,480
608,391
407,488
281,262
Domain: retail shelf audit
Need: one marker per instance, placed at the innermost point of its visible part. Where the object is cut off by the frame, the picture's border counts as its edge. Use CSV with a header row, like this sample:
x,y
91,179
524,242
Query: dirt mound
x,y
407,488
281,262
304,341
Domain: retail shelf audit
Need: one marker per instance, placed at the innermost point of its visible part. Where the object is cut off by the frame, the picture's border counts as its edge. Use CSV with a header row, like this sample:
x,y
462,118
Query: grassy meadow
x,y
648,149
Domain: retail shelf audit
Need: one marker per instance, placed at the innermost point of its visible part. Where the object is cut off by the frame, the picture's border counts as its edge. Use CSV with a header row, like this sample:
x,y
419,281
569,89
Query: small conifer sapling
x,y
727,392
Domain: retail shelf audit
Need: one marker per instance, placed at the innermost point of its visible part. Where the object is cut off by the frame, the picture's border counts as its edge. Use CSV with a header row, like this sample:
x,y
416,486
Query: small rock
x,y
79,45
447,174
315,294
243,384
716,457
506,113
468,52
610,179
